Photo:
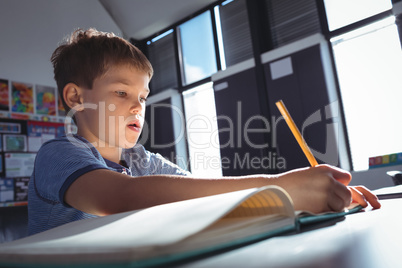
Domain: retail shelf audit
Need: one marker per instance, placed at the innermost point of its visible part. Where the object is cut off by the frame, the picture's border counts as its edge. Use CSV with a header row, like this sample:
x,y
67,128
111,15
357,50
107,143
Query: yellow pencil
x,y
296,133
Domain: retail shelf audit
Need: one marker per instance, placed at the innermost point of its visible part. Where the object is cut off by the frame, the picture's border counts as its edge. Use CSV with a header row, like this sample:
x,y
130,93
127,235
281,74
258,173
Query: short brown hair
x,y
87,55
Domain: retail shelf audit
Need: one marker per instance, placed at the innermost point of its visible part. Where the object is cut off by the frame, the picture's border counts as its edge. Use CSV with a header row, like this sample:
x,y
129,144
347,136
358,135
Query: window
x,y
292,20
343,12
163,130
202,131
234,32
368,63
197,48
161,53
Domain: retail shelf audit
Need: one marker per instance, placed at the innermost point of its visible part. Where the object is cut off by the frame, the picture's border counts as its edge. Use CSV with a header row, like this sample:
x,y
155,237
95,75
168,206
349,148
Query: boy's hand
x,y
317,189
324,188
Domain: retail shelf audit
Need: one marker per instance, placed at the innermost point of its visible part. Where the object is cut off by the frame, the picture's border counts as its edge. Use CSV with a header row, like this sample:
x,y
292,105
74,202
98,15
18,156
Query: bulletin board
x,y
30,115
20,140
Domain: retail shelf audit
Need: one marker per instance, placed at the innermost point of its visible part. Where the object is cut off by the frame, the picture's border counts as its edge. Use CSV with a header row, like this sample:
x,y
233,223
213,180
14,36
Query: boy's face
x,y
114,110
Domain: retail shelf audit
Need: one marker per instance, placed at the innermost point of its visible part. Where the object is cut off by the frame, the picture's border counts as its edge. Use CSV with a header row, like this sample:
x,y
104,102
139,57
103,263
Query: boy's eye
x,y
143,99
121,93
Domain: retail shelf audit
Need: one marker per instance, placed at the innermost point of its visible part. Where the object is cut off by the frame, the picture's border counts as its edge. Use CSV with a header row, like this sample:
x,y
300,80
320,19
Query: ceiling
x,y
139,19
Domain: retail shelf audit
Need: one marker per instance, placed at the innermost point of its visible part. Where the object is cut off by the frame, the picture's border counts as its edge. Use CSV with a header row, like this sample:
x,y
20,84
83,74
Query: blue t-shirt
x,y
61,161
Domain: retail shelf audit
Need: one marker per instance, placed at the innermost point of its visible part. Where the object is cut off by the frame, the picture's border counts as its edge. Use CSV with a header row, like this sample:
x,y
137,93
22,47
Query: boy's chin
x,y
127,145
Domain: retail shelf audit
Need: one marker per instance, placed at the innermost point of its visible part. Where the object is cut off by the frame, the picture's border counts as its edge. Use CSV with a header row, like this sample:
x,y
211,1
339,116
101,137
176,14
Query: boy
x,y
103,81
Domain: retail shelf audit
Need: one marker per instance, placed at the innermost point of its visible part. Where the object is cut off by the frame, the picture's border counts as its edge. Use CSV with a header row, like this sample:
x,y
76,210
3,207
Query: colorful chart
x,y
22,100
45,100
4,104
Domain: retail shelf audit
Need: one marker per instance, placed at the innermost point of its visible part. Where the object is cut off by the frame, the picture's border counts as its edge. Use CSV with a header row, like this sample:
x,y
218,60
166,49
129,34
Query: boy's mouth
x,y
135,125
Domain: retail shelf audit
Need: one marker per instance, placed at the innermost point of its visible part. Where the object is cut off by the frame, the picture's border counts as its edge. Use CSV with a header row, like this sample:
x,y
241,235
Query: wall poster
x,y
4,95
22,99
45,100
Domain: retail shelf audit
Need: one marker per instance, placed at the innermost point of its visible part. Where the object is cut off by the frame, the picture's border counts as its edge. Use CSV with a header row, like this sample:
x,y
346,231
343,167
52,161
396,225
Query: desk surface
x,y
372,238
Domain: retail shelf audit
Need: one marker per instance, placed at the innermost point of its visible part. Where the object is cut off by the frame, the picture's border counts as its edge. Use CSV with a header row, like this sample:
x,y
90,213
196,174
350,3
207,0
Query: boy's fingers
x,y
358,197
340,175
343,177
362,195
336,203
369,196
343,193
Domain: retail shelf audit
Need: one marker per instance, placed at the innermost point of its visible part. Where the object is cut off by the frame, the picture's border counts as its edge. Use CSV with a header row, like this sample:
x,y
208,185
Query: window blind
x,y
161,54
235,32
292,20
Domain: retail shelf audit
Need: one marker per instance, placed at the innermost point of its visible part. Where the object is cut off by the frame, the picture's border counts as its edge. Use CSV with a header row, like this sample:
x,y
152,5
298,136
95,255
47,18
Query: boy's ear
x,y
72,95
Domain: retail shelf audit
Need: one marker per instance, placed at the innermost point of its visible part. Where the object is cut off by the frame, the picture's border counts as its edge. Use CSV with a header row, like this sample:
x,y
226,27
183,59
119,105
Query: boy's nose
x,y
136,108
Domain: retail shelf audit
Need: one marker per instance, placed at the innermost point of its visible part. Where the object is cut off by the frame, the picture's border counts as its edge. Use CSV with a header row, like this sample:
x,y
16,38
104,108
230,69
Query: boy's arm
x,y
103,192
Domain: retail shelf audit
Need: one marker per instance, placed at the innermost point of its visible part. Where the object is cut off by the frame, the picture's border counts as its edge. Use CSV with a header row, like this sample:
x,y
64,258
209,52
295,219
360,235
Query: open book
x,y
161,234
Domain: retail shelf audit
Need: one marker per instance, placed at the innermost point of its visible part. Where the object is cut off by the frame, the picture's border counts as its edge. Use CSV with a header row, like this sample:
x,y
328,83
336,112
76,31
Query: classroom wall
x,y
29,33
31,30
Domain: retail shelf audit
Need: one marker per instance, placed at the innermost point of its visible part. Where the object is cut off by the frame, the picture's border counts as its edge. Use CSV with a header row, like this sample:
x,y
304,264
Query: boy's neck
x,y
112,154
107,151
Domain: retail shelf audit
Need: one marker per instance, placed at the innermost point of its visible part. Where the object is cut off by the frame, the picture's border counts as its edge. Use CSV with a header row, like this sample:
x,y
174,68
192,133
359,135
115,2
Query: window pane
x,y
343,12
202,131
161,54
369,67
198,49
236,45
291,20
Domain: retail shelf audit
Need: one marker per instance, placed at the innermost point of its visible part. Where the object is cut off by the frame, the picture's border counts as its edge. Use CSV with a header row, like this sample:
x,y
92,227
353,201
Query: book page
x,y
269,201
